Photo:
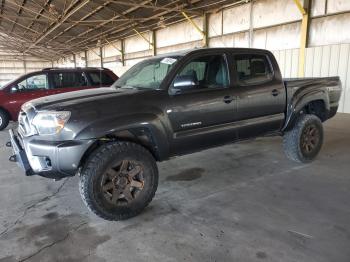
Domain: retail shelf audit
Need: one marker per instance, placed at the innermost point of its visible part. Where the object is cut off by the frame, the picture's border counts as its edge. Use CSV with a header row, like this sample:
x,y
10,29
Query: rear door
x,y
202,115
261,94
68,81
100,78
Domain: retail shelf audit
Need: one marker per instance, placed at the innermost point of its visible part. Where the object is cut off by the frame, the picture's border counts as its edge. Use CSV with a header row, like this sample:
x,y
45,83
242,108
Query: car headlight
x,y
50,123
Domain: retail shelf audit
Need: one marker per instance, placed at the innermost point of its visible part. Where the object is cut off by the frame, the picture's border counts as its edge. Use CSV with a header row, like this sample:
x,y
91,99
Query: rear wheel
x,y
304,141
4,119
119,180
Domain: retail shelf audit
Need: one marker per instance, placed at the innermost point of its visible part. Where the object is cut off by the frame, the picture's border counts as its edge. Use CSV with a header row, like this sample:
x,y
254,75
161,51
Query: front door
x,y
26,89
202,113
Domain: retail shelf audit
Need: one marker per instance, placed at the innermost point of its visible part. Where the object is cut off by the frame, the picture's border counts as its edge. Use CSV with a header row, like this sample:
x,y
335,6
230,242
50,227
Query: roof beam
x,y
30,10
110,20
2,9
37,16
155,7
97,9
20,9
123,27
58,23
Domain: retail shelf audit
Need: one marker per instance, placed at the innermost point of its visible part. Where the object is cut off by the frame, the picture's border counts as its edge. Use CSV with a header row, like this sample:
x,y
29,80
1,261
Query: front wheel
x,y
303,142
119,180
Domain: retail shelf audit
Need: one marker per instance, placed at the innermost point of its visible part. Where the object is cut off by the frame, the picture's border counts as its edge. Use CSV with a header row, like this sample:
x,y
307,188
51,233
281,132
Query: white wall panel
x,y
330,30
271,12
137,43
335,6
240,40
322,61
179,33
283,37
222,41
215,24
12,67
318,7
236,19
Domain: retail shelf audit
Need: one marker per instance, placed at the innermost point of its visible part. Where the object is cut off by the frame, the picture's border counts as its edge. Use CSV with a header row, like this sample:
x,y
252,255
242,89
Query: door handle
x,y
229,99
275,92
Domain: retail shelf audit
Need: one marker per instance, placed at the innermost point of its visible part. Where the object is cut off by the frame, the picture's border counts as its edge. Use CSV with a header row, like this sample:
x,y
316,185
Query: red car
x,y
49,81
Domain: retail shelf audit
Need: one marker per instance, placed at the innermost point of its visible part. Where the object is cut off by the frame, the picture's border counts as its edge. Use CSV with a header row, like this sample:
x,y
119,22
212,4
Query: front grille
x,y
24,126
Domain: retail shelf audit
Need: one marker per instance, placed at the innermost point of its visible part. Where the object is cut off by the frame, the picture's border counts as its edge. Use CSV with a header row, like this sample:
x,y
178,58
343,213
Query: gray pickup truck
x,y
166,106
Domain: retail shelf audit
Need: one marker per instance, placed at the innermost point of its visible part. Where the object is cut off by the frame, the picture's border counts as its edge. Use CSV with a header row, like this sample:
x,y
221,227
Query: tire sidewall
x,y
113,156
307,121
4,120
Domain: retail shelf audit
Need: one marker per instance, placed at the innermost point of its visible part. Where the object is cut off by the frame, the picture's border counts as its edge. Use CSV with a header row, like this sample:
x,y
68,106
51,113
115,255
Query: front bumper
x,y
52,159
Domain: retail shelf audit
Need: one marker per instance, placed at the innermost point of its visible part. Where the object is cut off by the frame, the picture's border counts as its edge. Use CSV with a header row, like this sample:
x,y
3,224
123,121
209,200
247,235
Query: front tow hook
x,y
8,144
13,158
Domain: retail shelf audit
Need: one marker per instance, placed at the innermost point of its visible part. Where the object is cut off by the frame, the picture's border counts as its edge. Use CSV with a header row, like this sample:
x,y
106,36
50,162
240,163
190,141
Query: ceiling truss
x,y
51,29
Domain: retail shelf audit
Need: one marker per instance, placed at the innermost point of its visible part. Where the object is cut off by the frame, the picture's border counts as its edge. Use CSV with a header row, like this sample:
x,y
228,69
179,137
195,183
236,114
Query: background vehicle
x,y
49,81
163,107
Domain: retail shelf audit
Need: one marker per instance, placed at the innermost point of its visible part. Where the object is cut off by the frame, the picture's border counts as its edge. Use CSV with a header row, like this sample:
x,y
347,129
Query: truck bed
x,y
329,87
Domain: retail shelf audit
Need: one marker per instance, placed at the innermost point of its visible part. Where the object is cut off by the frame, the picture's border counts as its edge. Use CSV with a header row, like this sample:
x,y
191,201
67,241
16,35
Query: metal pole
x,y
75,61
86,58
304,33
101,57
251,26
154,42
122,51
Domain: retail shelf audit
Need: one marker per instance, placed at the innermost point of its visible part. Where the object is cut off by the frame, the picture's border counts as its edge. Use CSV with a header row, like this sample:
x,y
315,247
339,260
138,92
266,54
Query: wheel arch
x,y
314,102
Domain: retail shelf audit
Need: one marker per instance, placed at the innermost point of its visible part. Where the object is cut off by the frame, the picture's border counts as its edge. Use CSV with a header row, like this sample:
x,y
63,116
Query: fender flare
x,y
146,129
298,103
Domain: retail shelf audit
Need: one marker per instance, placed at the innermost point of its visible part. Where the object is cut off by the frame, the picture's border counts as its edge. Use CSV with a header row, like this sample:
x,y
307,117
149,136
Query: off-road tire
x,y
293,139
4,119
96,166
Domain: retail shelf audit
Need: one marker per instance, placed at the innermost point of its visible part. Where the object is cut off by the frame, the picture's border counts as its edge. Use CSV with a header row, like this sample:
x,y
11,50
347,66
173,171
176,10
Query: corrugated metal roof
x,y
54,28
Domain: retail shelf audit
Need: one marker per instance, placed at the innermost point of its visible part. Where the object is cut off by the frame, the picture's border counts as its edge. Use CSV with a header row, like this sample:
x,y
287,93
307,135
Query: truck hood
x,y
79,99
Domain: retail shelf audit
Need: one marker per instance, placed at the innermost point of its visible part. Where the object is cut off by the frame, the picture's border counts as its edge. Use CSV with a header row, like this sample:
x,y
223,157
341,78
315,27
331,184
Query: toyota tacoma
x,y
166,106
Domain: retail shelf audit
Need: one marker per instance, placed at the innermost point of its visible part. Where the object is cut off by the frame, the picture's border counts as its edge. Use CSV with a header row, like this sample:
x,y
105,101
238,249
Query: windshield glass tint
x,y
148,74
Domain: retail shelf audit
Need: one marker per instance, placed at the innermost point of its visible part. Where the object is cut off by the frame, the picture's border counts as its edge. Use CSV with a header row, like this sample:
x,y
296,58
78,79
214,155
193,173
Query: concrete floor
x,y
243,202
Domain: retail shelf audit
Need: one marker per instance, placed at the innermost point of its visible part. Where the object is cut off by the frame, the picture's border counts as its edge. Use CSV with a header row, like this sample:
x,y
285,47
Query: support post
x,y
101,57
304,33
75,61
205,30
86,58
154,42
251,26
122,44
24,65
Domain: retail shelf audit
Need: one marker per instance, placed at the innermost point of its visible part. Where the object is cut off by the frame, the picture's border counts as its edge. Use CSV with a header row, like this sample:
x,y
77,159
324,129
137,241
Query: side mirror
x,y
14,89
185,82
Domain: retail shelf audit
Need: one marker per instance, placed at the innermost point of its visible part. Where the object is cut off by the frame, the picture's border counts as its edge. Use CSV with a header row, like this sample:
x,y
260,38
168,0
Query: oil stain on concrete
x,y
58,238
187,175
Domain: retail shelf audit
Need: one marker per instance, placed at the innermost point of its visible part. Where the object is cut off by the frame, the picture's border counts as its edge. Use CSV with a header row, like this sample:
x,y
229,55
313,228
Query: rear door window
x,y
100,78
252,69
69,80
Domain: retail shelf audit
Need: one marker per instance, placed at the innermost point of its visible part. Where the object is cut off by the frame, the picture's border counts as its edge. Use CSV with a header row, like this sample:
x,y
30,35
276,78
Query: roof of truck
x,y
203,49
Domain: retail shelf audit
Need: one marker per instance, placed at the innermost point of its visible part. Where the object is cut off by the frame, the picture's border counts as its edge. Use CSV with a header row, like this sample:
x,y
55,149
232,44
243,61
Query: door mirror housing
x,y
185,82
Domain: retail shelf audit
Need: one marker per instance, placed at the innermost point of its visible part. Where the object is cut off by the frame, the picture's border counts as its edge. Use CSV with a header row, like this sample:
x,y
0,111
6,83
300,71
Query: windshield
x,y
147,74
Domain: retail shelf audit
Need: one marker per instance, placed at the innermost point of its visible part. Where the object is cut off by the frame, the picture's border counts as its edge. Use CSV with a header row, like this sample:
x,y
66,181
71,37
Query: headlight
x,y
50,123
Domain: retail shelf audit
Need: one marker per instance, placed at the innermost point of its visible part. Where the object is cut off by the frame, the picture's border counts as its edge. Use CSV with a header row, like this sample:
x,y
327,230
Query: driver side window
x,y
36,82
206,72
